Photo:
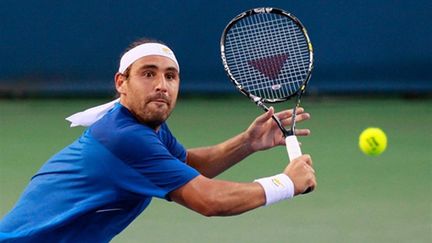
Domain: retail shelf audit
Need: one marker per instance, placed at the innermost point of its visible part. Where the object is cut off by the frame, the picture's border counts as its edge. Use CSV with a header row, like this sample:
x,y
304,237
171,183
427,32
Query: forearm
x,y
213,160
212,197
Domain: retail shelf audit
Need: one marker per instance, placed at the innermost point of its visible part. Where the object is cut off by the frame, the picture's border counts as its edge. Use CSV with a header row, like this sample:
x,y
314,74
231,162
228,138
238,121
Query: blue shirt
x,y
94,188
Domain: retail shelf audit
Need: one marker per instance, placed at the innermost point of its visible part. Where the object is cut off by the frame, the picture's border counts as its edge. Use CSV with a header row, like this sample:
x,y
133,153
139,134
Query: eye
x,y
170,76
147,74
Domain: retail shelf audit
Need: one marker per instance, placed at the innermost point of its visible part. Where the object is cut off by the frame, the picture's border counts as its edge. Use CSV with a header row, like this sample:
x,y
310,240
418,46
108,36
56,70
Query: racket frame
x,y
259,101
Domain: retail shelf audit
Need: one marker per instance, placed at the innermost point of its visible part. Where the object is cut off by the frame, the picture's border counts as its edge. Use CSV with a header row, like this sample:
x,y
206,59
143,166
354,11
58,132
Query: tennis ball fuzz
x,y
373,141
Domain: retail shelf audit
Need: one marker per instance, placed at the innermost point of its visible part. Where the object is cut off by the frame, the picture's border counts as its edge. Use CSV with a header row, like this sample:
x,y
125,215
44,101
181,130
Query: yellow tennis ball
x,y
373,141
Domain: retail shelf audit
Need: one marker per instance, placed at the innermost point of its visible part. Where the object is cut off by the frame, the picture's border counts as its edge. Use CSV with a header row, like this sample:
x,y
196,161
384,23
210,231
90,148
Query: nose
x,y
161,85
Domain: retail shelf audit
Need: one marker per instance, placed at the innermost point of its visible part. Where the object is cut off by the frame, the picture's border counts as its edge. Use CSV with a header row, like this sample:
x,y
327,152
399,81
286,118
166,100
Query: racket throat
x,y
284,131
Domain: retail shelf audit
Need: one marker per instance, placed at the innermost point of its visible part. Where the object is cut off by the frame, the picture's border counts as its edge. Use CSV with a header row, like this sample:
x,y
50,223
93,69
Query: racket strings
x,y
293,46
268,55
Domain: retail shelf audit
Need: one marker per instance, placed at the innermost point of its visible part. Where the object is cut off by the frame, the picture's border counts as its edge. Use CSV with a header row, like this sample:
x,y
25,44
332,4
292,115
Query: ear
x,y
120,81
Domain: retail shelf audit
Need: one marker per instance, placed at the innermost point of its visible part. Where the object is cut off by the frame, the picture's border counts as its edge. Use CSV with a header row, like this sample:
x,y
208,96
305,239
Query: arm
x,y
262,134
211,197
213,160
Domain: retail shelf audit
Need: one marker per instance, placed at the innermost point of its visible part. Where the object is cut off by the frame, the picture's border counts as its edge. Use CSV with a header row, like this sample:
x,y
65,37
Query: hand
x,y
302,174
264,133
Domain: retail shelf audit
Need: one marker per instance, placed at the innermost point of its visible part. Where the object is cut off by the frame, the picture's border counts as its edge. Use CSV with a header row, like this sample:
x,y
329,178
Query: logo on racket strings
x,y
270,66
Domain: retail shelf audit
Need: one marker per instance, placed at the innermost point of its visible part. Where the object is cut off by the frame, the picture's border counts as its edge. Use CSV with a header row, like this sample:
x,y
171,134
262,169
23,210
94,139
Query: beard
x,y
155,110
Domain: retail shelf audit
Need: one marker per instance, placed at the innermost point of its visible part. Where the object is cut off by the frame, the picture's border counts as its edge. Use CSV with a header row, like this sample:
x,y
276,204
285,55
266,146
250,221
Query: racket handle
x,y
293,147
294,151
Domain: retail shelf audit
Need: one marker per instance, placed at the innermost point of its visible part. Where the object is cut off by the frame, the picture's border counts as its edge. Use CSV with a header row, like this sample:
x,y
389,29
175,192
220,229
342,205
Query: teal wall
x,y
73,47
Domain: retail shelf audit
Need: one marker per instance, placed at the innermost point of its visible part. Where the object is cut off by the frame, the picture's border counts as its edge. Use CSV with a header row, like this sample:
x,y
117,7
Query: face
x,y
150,91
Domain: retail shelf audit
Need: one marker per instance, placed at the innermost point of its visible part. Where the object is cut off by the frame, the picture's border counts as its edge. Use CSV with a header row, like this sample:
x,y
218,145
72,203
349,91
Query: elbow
x,y
208,213
211,212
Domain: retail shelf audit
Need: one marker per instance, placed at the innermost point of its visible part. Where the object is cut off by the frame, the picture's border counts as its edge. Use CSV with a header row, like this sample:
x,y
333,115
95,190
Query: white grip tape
x,y
293,147
277,188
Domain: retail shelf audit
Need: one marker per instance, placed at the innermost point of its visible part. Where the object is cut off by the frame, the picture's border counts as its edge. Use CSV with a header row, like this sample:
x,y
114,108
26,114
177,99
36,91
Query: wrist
x,y
246,141
277,188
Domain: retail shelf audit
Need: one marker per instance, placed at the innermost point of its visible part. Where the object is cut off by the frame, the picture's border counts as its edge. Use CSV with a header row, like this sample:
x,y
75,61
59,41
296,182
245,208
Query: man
x,y
95,187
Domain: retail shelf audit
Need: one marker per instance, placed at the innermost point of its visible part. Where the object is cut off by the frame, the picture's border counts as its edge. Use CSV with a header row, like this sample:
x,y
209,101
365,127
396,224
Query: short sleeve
x,y
141,149
171,143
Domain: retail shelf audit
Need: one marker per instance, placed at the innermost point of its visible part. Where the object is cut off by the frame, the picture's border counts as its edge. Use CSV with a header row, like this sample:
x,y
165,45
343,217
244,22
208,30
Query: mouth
x,y
160,101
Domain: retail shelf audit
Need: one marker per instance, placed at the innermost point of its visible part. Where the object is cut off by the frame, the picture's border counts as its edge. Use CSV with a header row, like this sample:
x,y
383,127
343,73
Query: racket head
x,y
267,54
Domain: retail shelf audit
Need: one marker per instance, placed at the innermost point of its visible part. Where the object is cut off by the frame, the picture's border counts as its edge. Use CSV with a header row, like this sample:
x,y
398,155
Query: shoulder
x,y
119,124
126,138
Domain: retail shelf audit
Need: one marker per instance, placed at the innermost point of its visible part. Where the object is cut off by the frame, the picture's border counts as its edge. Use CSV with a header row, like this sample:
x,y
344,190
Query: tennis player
x,y
95,187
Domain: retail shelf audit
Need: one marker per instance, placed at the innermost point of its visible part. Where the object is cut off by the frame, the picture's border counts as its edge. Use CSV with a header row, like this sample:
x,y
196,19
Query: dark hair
x,y
135,44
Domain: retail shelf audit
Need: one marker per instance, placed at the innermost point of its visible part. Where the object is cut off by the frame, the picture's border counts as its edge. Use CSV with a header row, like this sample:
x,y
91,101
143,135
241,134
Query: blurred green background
x,y
358,199
370,56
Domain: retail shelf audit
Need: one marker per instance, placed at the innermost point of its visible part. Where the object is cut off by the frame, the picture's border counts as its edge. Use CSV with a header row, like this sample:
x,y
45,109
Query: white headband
x,y
147,49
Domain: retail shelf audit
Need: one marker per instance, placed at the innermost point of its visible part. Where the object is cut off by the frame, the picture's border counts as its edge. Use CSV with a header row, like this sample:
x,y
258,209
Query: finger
x,y
309,168
299,118
266,116
302,132
312,185
299,110
288,113
303,116
307,159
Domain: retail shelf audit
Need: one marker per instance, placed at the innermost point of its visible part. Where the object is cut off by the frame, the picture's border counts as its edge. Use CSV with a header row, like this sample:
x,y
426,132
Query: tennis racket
x,y
268,56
